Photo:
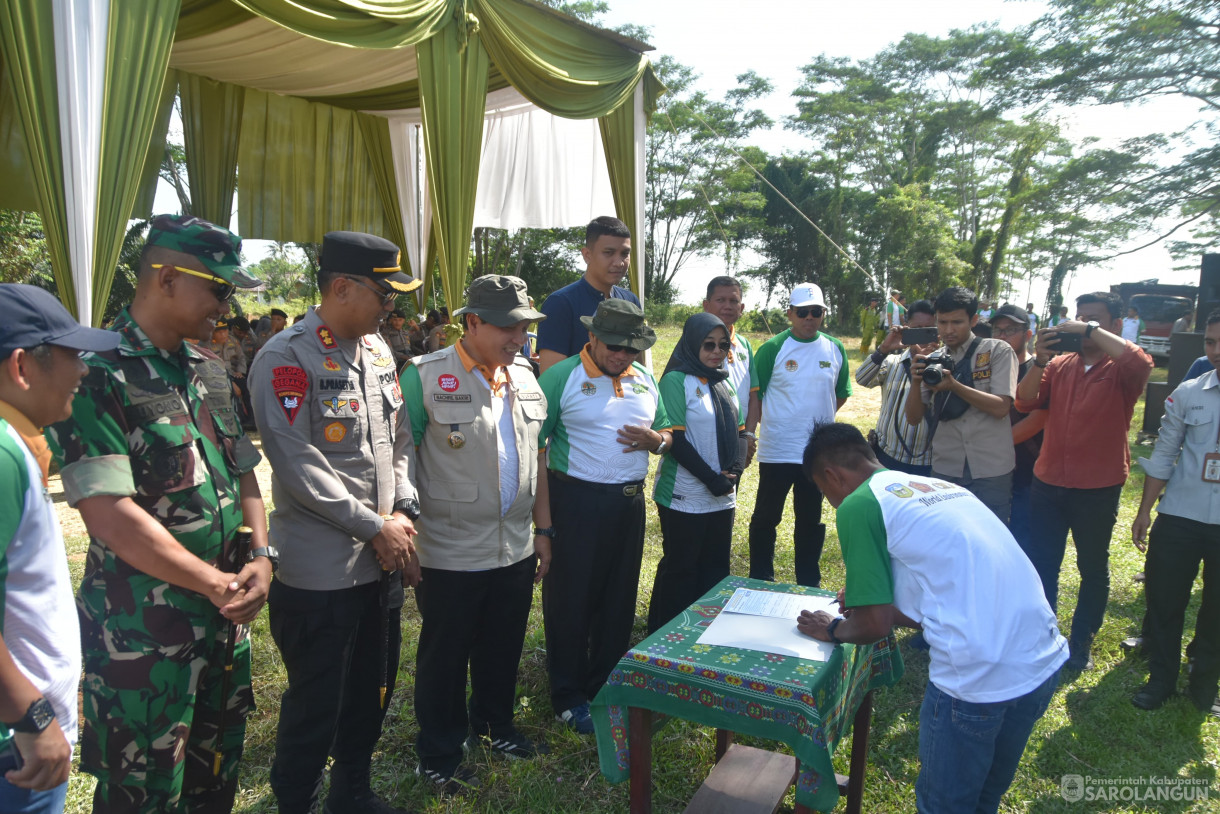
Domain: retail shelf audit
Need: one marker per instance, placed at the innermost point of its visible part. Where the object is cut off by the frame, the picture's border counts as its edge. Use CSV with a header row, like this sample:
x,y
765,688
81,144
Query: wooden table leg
x,y
724,739
859,754
639,743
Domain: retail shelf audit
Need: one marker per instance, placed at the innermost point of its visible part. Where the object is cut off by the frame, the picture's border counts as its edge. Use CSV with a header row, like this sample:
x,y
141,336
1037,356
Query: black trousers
x,y
1176,547
332,645
774,483
588,597
472,621
695,557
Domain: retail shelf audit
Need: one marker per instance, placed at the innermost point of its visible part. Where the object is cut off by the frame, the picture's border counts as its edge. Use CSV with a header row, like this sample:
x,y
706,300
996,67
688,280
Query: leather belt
x,y
624,489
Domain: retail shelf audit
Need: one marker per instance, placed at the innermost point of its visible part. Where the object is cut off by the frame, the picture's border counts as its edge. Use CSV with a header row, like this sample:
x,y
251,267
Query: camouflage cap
x,y
619,322
218,249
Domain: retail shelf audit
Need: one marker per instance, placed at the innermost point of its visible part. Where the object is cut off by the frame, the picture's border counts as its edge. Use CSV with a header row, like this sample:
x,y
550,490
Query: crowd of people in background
x,y
459,462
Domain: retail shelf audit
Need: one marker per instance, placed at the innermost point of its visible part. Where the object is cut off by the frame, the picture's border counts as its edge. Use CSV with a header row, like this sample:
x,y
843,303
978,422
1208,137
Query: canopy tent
x,y
358,114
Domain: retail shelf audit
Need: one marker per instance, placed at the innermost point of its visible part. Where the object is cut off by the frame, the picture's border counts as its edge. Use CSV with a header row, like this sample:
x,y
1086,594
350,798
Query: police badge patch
x,y
290,384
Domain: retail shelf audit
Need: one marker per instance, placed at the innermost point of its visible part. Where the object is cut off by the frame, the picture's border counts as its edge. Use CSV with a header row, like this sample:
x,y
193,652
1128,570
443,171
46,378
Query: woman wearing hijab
x,y
695,485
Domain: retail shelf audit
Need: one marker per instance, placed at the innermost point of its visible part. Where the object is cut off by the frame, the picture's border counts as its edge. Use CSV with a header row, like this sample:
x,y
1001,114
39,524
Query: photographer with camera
x,y
966,389
898,444
1090,395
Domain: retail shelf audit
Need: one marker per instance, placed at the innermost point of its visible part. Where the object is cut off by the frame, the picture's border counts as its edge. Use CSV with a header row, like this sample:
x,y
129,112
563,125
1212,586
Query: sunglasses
x,y
386,298
222,291
811,311
711,346
622,349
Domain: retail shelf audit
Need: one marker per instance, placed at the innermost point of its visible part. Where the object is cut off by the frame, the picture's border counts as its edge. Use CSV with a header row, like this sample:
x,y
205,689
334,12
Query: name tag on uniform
x,y
452,398
529,395
1211,467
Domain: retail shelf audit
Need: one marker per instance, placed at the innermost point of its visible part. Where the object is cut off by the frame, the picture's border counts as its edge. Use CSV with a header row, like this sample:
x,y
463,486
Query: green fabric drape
x,y
16,178
453,91
27,41
359,23
211,128
565,69
618,142
141,33
156,148
200,17
375,131
305,171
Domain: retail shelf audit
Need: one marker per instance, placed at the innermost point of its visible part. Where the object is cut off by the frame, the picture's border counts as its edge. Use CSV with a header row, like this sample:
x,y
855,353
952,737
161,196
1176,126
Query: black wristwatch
x,y
830,629
1090,327
270,552
548,532
410,507
37,718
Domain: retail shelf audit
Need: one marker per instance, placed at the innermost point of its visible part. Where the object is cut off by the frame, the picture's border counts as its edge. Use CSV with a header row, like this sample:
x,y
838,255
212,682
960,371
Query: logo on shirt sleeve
x,y
898,490
289,384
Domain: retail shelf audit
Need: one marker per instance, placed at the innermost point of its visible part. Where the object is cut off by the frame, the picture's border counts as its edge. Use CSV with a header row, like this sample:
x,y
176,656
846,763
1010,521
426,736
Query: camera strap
x,y
948,406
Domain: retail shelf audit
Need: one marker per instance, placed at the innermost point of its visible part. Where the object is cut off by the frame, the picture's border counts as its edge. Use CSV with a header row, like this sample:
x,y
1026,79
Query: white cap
x,y
806,294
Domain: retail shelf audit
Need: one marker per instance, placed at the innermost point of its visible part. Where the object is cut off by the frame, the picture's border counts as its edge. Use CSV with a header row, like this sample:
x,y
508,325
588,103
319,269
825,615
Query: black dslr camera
x,y
939,364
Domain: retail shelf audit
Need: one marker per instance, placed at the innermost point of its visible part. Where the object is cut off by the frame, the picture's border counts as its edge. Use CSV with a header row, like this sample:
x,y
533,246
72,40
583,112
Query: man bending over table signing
x,y
923,552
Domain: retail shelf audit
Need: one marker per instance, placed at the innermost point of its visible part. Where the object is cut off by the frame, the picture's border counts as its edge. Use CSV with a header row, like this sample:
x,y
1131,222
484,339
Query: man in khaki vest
x,y
476,410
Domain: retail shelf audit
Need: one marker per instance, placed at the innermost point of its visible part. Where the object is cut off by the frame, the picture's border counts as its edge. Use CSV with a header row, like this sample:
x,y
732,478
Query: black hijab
x,y
685,359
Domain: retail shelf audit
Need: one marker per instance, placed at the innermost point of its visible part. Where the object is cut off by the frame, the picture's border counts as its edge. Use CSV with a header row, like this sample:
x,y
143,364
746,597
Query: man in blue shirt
x,y
607,254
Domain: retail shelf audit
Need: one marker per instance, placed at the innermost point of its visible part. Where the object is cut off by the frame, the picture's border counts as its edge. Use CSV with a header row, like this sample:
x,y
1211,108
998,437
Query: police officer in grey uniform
x,y
399,340
328,405
476,410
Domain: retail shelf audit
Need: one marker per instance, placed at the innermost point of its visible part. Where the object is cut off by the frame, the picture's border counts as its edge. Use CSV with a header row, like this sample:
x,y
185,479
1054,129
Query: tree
x,y
698,200
283,275
23,250
1126,52
544,258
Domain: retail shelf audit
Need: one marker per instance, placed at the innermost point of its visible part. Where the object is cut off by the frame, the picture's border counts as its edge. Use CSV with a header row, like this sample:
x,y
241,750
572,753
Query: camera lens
x,y
933,374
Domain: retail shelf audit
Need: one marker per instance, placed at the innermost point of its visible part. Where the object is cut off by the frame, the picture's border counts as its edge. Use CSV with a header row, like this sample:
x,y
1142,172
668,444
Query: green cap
x,y
218,249
499,299
619,322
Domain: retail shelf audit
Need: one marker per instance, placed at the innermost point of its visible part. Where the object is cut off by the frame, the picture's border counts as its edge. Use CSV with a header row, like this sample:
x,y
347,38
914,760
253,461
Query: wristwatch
x,y
830,629
270,552
37,718
1090,327
548,532
660,450
408,506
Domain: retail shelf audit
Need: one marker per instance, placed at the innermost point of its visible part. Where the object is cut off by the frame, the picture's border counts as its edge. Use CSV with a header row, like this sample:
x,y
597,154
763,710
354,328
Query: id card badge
x,y
1211,467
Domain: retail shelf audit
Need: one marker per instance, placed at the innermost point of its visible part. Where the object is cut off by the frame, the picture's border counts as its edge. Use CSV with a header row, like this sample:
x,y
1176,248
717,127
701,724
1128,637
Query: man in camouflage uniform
x,y
156,462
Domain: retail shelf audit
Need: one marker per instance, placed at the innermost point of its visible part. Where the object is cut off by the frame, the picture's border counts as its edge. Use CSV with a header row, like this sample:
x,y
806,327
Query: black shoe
x,y
1078,663
1150,696
1205,702
514,745
461,780
350,793
1132,643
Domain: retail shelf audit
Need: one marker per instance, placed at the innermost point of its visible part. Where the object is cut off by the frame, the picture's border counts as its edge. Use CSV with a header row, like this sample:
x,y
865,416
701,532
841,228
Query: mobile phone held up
x,y
1068,343
919,336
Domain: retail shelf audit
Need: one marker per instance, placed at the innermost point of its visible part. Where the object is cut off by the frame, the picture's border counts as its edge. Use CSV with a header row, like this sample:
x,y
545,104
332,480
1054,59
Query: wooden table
x,y
807,705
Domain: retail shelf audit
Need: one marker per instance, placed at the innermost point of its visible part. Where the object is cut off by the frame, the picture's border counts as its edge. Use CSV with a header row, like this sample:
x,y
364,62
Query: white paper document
x,y
766,621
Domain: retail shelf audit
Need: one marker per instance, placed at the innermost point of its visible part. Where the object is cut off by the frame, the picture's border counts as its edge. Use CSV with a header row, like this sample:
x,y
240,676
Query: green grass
x,y
1090,729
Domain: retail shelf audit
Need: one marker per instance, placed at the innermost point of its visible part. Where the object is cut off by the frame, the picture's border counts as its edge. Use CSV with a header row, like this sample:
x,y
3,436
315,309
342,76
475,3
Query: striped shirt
x,y
892,376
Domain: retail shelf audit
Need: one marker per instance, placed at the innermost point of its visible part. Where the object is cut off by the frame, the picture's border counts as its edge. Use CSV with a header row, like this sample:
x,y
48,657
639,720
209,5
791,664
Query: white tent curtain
x,y
80,69
406,142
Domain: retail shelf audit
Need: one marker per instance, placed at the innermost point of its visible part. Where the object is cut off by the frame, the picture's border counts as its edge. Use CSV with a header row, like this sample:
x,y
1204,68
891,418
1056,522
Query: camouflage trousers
x,y
151,719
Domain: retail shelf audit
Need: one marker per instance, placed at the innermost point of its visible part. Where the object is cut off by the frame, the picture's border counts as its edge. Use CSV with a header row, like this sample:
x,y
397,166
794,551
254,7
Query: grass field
x,y
1091,729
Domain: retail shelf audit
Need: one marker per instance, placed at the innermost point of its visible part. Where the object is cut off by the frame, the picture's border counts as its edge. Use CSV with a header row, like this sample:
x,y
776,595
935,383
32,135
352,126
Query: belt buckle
x,y
631,490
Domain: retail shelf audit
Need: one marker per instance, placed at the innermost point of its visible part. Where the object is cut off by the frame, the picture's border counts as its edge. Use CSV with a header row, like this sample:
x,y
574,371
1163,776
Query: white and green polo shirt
x,y
942,558
688,403
39,621
586,408
742,372
799,382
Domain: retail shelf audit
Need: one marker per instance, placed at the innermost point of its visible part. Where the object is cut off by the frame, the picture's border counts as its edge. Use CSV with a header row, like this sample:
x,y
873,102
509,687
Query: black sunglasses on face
x,y
811,311
710,346
622,349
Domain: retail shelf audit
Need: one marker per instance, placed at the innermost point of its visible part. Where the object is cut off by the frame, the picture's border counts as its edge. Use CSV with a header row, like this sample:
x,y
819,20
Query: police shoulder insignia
x,y
326,338
898,490
982,359
289,384
331,364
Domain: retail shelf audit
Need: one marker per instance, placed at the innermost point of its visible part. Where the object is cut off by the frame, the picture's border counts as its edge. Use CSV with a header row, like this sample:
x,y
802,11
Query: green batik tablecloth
x,y
808,705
